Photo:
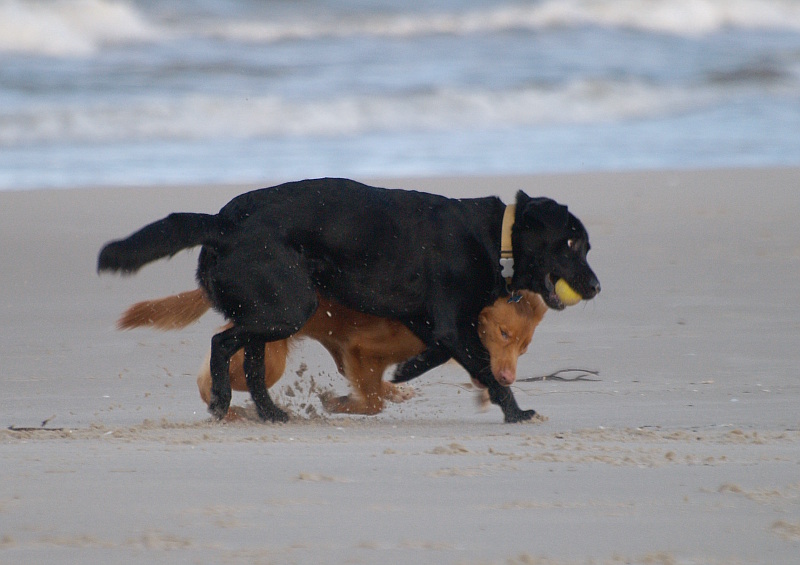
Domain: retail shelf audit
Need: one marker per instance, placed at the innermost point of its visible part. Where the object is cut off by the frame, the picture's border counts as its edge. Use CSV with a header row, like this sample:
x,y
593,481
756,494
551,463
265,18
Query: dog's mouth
x,y
550,297
560,293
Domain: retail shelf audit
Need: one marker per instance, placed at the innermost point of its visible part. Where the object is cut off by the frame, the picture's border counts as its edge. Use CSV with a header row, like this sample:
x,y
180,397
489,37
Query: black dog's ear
x,y
544,211
522,199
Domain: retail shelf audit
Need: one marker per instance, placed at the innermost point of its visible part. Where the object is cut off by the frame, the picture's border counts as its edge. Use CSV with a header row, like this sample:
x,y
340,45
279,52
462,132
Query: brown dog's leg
x,y
369,383
366,375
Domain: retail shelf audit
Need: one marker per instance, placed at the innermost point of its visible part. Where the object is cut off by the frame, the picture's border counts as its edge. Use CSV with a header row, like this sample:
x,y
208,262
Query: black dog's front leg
x,y
254,374
473,356
425,361
504,397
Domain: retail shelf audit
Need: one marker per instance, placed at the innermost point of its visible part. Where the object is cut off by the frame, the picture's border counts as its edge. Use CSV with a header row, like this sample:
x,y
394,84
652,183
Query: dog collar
x,y
506,251
505,235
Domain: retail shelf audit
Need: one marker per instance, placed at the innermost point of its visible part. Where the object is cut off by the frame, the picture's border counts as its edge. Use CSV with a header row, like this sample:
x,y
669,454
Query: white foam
x,y
680,17
210,117
82,27
69,27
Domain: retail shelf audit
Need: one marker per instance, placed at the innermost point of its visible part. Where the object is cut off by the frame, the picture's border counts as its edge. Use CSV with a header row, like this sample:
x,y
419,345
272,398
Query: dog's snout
x,y
506,377
593,288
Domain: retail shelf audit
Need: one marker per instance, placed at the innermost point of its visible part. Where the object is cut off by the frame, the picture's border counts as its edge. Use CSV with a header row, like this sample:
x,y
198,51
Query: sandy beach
x,y
674,439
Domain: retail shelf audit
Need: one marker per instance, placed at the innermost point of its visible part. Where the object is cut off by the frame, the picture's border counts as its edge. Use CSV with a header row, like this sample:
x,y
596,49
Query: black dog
x,y
426,260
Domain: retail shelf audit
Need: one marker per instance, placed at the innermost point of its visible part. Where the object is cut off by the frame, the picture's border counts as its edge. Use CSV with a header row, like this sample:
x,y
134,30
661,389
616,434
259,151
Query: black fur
x,y
429,261
161,239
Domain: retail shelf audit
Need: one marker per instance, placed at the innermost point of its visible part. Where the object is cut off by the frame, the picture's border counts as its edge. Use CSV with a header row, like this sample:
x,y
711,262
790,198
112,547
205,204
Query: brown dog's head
x,y
506,329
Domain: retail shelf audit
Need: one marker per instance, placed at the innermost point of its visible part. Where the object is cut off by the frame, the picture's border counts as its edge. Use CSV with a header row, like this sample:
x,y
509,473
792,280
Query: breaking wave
x,y
584,101
679,17
70,27
83,27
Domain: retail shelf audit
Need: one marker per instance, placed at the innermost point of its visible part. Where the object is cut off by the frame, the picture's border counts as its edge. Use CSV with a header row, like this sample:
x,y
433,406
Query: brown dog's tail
x,y
168,313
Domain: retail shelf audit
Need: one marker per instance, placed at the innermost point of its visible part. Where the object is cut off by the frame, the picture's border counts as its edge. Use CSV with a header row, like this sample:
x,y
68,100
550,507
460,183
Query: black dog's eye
x,y
575,245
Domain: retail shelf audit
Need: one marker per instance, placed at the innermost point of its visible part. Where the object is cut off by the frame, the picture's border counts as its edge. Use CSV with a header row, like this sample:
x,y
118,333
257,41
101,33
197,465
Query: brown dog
x,y
362,345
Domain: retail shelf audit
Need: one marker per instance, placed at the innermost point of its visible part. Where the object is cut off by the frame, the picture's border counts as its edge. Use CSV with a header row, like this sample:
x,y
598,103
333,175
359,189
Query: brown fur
x,y
168,313
506,330
363,346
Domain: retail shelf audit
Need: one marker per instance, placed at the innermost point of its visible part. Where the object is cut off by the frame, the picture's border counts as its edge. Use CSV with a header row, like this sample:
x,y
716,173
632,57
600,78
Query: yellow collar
x,y
505,237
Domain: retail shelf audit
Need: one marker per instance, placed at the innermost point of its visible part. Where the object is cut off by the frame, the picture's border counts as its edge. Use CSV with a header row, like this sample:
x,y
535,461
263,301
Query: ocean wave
x,y
678,17
83,27
579,102
68,28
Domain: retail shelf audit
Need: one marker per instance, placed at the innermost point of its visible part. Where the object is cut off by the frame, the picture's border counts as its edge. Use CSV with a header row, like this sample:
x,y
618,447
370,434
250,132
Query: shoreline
x,y
432,180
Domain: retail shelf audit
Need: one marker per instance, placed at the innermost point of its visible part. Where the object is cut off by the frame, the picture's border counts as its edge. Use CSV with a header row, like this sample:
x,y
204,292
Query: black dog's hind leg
x,y
254,373
223,346
425,361
268,295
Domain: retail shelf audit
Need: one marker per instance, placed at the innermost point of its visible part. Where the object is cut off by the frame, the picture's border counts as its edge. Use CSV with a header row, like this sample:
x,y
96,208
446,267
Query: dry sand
x,y
686,449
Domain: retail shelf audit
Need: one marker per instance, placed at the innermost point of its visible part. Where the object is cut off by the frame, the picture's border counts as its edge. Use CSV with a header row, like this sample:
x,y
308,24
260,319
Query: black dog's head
x,y
549,244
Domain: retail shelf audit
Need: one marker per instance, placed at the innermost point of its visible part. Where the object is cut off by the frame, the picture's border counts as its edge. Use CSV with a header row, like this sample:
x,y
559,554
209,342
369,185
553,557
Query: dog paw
x,y
398,393
327,399
276,416
520,416
218,408
349,404
334,404
272,414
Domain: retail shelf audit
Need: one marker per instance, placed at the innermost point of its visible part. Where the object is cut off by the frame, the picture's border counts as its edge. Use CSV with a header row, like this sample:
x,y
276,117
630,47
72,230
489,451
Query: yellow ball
x,y
566,294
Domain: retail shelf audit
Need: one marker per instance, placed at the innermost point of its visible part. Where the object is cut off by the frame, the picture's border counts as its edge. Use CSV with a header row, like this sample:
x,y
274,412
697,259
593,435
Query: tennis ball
x,y
566,294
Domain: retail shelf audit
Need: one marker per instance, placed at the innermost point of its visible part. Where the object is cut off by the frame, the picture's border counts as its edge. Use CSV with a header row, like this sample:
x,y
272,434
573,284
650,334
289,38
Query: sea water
x,y
139,92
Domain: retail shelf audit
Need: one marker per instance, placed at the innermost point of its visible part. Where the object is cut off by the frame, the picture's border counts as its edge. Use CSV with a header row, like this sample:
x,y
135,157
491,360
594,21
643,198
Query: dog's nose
x,y
506,377
594,288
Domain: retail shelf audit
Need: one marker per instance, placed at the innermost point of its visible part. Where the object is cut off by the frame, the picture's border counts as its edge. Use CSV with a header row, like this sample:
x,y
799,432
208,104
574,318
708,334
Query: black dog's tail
x,y
160,239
